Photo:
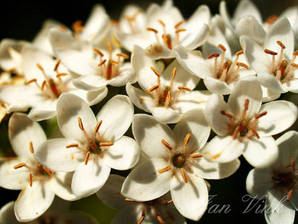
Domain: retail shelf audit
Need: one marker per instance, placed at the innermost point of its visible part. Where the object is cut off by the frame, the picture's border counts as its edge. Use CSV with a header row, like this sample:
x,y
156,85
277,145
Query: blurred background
x,y
23,19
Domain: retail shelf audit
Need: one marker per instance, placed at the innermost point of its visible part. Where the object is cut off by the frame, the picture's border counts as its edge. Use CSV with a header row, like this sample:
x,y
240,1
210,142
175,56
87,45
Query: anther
x,y
165,169
239,52
43,85
178,24
123,55
97,51
236,131
240,64
30,179
166,144
184,88
114,62
183,175
155,71
31,147
105,144
87,156
48,171
159,219
81,126
57,65
213,55
196,155
161,23
153,88
261,115
30,81
180,30
290,193
152,30
227,114
272,19
98,126
186,139
255,132
294,65
281,44
267,51
222,47
61,74
40,67
102,62
141,219
72,146
20,165
77,26
110,47
295,53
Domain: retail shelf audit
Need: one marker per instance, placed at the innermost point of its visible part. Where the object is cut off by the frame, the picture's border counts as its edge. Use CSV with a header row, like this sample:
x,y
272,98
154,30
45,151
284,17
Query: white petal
x,y
92,97
88,179
282,31
277,212
61,185
126,75
190,199
250,89
202,14
223,149
7,215
40,114
56,156
250,27
214,171
269,95
21,132
11,178
271,82
145,183
217,86
280,116
148,133
123,154
292,85
141,99
90,82
225,15
69,109
166,115
110,193
116,116
195,37
261,152
259,181
33,201
217,121
247,8
193,122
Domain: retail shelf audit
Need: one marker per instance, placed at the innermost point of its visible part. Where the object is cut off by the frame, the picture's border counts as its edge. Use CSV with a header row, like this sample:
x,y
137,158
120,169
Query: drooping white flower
x,y
57,213
278,182
160,210
244,125
275,64
92,145
96,67
166,94
176,163
38,183
165,28
46,78
218,67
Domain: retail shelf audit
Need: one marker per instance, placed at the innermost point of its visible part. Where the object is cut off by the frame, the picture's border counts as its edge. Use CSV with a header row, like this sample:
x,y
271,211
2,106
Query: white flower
x,y
160,210
165,28
275,64
245,126
38,183
57,213
292,15
96,67
175,164
92,145
46,79
278,182
166,94
217,67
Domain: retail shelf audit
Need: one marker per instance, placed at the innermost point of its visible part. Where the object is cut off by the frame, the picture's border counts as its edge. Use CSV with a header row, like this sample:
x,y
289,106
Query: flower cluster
x,y
201,92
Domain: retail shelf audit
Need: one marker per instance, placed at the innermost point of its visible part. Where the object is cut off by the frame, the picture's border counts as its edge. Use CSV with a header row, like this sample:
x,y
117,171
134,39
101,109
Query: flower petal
x,y
55,154
271,82
280,116
22,132
7,215
33,202
217,86
196,35
247,8
43,113
193,122
90,82
166,115
190,199
145,129
145,183
116,116
261,152
11,178
259,181
69,109
250,89
92,97
123,154
88,179
223,149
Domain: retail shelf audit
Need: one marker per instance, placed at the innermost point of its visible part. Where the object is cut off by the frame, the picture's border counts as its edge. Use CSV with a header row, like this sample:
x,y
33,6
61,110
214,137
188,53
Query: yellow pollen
x,y
31,147
98,126
165,169
80,123
166,144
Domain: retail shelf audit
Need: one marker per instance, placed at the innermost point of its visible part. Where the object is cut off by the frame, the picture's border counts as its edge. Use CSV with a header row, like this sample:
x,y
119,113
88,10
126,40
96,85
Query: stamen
x,y
87,157
196,155
159,219
20,165
246,103
236,132
141,219
161,23
294,65
114,62
77,26
183,175
123,55
153,88
267,51
166,144
242,65
102,144
261,115
81,126
281,44
173,76
272,19
180,30
110,47
72,146
213,55
102,62
178,24
97,51
222,47
227,114
184,88
290,193
61,74
186,139
155,71
57,65
255,132
30,81
98,126
48,171
295,53
152,30
30,179
239,52
165,169
31,147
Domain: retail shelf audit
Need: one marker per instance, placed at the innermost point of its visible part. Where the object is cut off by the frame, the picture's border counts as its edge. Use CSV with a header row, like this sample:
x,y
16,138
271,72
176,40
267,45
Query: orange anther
x,y
222,47
165,169
97,51
166,144
31,147
98,126
281,44
152,30
213,55
267,51
72,146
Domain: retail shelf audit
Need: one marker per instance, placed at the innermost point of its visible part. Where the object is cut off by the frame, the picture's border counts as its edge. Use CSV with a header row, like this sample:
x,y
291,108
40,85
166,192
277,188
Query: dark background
x,y
22,20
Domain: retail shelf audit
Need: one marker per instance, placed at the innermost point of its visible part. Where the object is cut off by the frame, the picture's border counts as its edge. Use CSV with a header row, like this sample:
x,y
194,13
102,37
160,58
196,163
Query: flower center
x,y
281,68
178,160
50,88
164,38
226,70
244,127
109,68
